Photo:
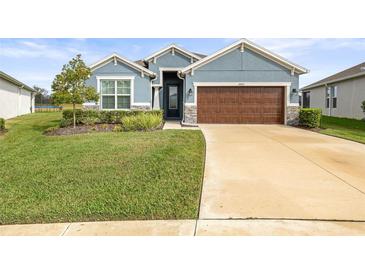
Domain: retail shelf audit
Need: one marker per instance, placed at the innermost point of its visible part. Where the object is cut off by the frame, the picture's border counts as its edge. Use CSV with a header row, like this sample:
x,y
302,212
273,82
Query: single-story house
x,y
338,95
16,98
241,83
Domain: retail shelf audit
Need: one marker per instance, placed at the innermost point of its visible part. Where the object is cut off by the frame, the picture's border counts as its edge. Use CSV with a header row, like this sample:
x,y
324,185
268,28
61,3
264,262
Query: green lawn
x,y
350,129
98,176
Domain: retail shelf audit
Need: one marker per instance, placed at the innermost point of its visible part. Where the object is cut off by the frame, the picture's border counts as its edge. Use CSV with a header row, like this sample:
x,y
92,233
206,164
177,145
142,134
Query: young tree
x,y
69,86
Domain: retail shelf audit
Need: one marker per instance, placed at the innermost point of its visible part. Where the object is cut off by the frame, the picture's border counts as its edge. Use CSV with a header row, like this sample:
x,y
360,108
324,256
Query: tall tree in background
x,y
69,86
42,95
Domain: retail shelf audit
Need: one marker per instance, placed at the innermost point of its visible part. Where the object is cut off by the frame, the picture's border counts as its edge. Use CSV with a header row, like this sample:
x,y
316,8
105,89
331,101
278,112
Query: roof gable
x,y
242,44
172,48
115,57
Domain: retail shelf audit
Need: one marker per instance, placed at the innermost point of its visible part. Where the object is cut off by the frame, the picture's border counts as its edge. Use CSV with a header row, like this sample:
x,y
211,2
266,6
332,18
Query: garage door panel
x,y
249,105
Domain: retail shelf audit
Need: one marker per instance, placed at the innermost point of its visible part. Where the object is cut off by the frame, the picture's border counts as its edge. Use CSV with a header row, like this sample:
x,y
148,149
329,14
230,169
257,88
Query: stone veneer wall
x,y
292,115
190,115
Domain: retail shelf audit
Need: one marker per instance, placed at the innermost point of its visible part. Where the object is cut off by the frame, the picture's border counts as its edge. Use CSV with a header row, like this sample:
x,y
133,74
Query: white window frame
x,y
334,94
328,97
115,78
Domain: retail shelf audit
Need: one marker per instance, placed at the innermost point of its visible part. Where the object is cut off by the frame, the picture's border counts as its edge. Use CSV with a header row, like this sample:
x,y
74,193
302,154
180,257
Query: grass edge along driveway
x,y
97,176
346,128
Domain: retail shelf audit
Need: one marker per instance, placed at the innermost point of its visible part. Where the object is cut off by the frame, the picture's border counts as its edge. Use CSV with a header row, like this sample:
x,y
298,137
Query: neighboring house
x,y
241,83
16,98
338,95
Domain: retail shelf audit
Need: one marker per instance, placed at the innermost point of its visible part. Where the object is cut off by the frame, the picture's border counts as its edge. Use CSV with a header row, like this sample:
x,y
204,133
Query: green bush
x,y
92,117
51,129
104,116
2,124
66,122
141,122
310,117
89,120
117,128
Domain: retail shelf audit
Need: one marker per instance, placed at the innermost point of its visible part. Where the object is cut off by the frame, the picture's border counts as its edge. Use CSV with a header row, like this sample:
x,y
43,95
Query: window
x,y
306,99
331,97
173,97
328,93
334,96
116,94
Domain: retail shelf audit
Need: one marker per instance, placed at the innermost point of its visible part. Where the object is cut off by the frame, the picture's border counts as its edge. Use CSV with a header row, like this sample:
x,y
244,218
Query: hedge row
x,y
310,117
91,117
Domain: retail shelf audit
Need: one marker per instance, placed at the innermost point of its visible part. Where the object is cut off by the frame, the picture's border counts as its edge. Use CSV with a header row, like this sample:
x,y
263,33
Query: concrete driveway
x,y
280,172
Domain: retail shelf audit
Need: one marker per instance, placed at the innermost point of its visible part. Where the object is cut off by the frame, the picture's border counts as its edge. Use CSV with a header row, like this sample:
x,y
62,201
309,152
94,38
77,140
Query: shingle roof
x,y
140,62
15,81
352,72
200,55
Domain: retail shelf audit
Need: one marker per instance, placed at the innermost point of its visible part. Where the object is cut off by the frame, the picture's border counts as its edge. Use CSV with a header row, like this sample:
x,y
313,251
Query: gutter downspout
x,y
179,75
329,100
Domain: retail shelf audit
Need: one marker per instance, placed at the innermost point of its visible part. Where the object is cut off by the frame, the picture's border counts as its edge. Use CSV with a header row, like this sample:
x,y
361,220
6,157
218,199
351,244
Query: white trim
x,y
124,60
173,48
213,84
116,78
145,104
250,45
162,69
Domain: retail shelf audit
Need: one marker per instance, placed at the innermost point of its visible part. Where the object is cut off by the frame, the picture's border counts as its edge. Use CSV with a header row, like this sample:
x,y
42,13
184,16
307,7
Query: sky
x,y
37,61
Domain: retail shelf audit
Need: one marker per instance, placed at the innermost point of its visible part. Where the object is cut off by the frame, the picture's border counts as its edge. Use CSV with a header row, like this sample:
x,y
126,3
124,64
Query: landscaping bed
x,y
56,131
97,176
87,121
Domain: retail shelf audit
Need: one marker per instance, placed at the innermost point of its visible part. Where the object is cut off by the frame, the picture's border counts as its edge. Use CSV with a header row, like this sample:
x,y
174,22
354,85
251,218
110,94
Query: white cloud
x,y
30,49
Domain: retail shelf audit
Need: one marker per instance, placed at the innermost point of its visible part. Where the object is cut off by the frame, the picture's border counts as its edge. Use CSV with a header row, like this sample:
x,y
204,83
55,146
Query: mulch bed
x,y
81,129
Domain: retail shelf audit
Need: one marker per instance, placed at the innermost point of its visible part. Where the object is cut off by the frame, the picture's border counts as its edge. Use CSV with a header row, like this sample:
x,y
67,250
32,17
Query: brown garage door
x,y
241,105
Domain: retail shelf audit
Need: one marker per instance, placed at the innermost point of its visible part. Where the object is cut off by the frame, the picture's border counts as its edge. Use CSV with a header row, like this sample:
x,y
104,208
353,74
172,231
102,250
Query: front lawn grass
x,y
98,176
351,129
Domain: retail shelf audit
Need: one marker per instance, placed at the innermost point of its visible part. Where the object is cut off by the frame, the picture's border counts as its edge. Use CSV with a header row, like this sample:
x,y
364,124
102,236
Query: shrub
x,y
89,121
2,124
141,122
117,128
91,117
310,117
65,122
52,129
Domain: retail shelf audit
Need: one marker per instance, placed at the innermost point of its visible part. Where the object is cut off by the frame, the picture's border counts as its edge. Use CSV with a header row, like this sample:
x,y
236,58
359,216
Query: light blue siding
x,y
237,66
142,85
168,61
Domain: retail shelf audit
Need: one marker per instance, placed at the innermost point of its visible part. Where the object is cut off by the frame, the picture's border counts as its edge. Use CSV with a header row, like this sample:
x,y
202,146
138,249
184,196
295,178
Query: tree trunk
x,y
74,114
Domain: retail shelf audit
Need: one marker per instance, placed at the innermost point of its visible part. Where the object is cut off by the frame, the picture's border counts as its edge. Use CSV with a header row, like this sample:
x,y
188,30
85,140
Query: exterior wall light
x,y
190,92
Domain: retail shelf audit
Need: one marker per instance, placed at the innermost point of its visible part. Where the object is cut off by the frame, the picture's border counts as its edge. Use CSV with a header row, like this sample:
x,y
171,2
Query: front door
x,y
173,100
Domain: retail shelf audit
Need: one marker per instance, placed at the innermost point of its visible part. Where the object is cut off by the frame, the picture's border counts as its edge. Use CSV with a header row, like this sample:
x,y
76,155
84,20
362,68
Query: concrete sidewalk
x,y
190,228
